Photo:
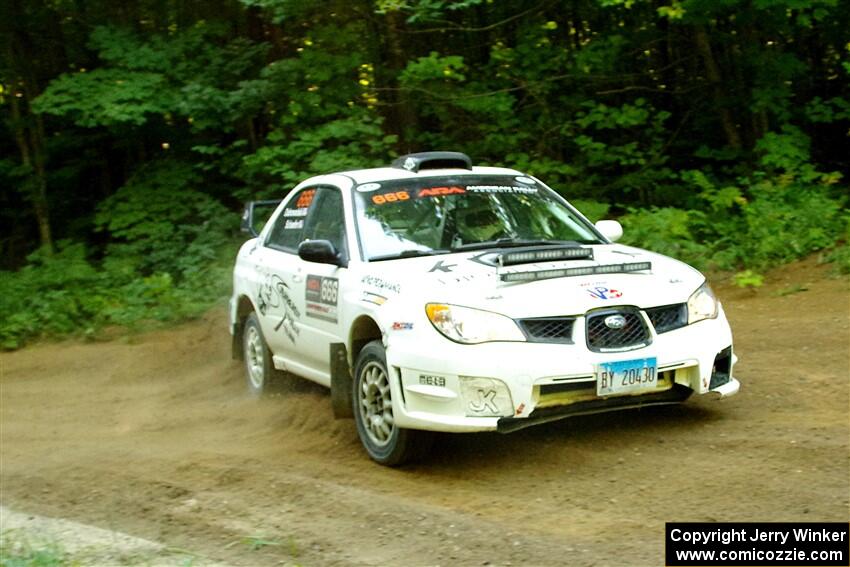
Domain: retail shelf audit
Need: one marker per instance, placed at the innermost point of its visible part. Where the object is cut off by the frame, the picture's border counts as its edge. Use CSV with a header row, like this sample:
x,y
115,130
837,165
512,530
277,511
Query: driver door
x,y
280,297
322,323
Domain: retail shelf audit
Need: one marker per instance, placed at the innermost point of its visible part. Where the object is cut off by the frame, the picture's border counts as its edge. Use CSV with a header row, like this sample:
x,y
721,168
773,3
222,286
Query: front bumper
x,y
674,395
547,381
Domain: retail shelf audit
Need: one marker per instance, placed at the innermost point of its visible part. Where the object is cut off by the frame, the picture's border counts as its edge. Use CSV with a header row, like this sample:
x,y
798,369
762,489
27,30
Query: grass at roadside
x,y
46,542
21,549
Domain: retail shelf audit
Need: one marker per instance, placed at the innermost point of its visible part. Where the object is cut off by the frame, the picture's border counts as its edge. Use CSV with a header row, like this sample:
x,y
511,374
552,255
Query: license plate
x,y
626,376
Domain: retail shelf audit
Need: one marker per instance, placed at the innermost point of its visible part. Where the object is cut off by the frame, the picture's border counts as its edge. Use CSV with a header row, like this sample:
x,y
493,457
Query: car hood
x,y
471,279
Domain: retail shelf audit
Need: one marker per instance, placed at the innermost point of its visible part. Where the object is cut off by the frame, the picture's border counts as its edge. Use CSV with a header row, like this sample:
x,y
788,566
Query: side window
x,y
288,230
326,220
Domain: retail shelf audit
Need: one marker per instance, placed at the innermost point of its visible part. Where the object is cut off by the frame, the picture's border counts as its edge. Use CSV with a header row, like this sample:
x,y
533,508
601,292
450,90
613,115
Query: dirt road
x,y
156,437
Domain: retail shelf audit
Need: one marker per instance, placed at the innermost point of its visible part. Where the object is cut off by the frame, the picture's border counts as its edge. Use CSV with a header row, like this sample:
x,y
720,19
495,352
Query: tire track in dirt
x,y
155,436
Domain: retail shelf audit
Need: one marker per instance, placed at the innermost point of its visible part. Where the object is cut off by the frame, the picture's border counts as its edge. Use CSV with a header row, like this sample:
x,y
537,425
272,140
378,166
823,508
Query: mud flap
x,y
341,383
236,342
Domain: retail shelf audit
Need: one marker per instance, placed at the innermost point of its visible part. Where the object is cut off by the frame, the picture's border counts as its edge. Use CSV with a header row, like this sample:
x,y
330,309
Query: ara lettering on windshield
x,y
425,192
440,191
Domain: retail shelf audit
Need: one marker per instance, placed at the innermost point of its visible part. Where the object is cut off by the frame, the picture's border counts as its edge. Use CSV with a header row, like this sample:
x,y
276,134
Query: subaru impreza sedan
x,y
437,296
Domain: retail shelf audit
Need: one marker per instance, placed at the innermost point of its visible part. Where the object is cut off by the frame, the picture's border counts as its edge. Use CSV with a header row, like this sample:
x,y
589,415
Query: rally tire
x,y
260,373
385,442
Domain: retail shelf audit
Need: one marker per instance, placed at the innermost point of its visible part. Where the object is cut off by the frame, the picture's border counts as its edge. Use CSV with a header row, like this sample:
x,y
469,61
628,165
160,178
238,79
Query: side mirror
x,y
250,218
320,252
610,229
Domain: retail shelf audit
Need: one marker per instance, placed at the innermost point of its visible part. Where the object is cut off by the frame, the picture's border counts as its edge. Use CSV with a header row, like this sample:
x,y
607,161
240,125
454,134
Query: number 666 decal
x,y
322,296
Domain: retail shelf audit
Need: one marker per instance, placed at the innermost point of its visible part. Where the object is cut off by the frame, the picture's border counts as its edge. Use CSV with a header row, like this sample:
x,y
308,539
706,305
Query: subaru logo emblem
x,y
615,322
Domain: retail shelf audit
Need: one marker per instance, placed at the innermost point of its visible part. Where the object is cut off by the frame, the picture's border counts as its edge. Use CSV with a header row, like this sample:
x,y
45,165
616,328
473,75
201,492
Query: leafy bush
x,y
777,225
781,212
785,223
161,221
347,143
666,231
748,279
840,258
66,294
840,255
168,259
593,210
51,295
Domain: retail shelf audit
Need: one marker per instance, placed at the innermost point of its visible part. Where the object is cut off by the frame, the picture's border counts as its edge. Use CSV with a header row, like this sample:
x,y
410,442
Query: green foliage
x,y
776,224
424,10
783,223
52,295
160,220
165,262
840,258
593,210
433,68
783,211
18,549
840,255
791,290
107,97
620,149
556,174
347,143
820,111
666,231
68,294
719,127
748,279
184,73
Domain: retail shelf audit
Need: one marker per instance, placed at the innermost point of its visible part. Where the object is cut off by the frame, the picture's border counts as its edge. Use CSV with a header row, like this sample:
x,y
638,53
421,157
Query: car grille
x,y
668,317
600,337
549,329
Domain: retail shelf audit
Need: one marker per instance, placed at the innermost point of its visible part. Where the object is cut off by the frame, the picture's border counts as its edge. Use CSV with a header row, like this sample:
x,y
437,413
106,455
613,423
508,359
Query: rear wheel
x,y
259,367
385,442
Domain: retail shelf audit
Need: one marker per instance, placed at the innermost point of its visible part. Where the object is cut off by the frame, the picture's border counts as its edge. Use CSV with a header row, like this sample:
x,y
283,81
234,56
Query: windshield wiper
x,y
512,243
412,253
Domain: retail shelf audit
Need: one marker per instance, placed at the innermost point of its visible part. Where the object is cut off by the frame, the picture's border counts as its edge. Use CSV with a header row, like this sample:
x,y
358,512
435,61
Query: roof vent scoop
x,y
433,160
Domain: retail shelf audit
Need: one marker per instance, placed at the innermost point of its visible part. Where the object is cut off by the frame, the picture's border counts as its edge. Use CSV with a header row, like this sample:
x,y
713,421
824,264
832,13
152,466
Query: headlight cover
x,y
702,304
472,326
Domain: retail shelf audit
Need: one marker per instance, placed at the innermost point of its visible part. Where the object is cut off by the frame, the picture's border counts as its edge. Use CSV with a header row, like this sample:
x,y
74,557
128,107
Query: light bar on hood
x,y
544,254
569,272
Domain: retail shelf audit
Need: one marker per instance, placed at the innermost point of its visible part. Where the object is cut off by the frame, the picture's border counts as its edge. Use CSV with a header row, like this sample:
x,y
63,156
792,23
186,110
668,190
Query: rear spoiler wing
x,y
250,217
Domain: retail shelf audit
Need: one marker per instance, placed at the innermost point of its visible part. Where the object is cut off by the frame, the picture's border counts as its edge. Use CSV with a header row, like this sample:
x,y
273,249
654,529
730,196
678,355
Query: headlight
x,y
702,304
471,326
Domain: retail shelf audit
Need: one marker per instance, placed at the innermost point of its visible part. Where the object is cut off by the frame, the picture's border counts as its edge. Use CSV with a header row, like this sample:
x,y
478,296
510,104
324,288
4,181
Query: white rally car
x,y
437,296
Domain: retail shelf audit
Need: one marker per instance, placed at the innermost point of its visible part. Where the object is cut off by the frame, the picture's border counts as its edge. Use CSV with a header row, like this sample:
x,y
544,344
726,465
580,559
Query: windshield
x,y
436,215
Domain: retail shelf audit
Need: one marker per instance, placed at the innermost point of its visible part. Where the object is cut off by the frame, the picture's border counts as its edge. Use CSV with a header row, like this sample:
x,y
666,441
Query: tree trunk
x,y
39,198
404,119
27,127
703,45
30,142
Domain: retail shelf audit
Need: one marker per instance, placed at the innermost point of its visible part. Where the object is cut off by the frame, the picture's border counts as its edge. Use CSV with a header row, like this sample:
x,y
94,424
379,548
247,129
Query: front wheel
x,y
259,367
385,442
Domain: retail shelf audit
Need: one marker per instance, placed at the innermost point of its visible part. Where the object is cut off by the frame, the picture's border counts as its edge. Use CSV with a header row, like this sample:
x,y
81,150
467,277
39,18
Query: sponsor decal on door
x,y
322,295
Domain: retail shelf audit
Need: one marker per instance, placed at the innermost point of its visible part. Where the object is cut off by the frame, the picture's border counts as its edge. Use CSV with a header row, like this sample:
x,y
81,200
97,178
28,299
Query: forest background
x,y
716,131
